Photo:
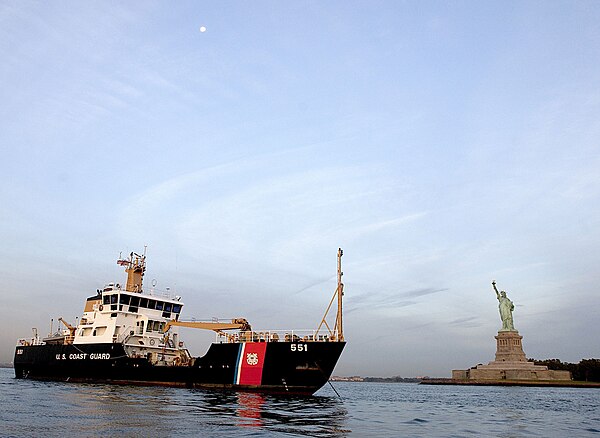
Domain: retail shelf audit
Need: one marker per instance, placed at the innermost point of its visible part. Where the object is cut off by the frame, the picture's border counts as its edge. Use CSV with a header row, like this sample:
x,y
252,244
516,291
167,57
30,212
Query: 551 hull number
x,y
299,347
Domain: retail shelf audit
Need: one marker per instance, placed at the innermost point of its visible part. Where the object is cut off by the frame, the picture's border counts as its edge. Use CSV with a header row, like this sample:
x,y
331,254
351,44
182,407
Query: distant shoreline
x,y
377,379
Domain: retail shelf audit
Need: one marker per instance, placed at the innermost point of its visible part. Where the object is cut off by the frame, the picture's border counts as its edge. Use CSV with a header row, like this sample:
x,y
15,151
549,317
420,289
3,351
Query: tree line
x,y
395,379
587,370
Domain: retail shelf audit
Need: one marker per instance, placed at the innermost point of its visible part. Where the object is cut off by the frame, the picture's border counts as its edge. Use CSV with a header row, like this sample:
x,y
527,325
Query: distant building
x,y
346,379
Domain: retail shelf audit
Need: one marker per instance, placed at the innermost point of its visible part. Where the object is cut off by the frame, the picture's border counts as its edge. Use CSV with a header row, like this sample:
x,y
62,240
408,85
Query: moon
x,y
202,29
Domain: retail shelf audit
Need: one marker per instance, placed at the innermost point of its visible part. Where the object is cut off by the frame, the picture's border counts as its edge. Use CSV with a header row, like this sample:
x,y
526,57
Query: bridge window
x,y
143,302
135,301
124,299
168,307
177,308
114,298
106,299
159,305
151,304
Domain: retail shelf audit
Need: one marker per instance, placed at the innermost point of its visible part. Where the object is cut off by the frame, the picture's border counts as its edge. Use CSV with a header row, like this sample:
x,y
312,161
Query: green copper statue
x,y
506,307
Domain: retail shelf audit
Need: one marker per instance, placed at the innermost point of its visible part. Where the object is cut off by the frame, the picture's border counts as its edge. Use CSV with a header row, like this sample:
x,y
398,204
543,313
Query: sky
x,y
442,145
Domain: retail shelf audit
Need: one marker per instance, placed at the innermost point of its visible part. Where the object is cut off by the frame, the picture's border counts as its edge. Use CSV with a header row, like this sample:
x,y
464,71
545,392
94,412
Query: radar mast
x,y
135,266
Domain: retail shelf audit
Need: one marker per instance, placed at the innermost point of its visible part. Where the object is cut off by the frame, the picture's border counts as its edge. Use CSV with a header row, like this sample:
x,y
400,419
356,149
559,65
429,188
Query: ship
x,y
130,336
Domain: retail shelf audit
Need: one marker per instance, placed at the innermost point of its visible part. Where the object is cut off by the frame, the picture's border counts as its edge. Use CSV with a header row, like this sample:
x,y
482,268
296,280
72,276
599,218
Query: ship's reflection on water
x,y
250,409
312,416
152,411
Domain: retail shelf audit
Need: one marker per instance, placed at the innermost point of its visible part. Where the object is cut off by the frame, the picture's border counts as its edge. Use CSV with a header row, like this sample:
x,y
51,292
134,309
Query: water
x,y
29,408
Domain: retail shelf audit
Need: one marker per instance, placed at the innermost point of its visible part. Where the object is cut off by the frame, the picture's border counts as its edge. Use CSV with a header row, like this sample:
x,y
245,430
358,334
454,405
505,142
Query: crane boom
x,y
67,325
69,339
236,323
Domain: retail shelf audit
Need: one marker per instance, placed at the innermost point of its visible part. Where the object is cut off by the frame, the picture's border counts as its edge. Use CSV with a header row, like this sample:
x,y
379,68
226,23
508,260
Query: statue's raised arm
x,y
497,293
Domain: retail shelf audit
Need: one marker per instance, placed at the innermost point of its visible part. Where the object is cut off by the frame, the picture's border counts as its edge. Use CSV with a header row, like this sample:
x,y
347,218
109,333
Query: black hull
x,y
295,368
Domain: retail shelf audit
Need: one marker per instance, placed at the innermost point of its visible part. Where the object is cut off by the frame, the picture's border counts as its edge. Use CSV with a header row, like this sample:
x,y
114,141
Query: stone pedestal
x,y
509,347
510,364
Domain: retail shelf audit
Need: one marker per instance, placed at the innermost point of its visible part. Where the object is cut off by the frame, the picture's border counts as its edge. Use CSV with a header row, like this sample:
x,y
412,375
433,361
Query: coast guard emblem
x,y
252,358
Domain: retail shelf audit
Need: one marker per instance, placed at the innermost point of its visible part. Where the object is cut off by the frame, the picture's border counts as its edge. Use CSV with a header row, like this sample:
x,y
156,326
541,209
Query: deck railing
x,y
29,341
275,336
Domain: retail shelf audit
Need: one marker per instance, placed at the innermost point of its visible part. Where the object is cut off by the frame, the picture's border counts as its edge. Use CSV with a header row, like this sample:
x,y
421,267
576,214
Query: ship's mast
x,y
135,266
337,333
340,293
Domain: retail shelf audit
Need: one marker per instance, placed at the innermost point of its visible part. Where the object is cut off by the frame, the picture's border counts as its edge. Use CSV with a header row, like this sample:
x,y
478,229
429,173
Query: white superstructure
x,y
133,318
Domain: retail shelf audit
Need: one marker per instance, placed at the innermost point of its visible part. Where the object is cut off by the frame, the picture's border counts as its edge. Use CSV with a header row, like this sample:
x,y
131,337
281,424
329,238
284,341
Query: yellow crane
x,y
235,324
71,330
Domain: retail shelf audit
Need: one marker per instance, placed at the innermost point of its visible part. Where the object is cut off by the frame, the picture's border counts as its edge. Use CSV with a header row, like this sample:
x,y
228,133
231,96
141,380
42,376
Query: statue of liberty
x,y
506,308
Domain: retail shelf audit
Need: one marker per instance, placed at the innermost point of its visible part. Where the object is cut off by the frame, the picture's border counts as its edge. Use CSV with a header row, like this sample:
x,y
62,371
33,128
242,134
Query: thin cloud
x,y
313,284
381,225
383,300
423,292
463,320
